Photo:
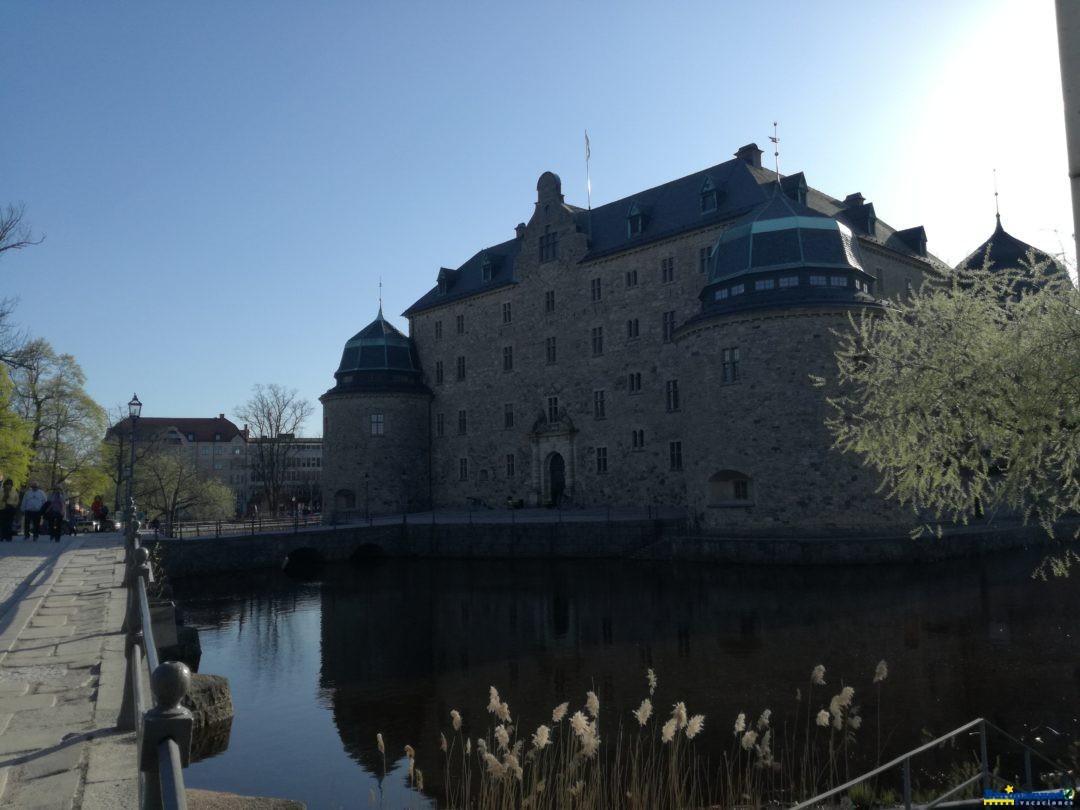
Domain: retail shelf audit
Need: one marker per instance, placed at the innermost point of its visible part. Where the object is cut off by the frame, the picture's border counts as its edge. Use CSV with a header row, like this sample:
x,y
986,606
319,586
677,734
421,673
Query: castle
x,y
656,350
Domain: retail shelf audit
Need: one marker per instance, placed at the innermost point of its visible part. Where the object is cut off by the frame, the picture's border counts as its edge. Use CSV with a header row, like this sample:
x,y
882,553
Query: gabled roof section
x,y
469,280
192,429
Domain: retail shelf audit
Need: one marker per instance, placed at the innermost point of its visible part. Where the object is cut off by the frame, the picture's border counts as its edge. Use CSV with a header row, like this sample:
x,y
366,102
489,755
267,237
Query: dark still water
x,y
318,667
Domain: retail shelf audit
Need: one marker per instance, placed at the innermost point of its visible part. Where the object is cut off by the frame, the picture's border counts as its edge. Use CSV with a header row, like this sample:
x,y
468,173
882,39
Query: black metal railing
x,y
163,730
231,528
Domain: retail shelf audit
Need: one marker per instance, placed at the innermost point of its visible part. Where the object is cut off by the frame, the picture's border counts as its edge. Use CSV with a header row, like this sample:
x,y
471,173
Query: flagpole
x,y
588,180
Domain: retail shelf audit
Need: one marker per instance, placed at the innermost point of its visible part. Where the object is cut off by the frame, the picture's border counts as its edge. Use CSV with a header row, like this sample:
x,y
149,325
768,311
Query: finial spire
x,y
997,211
380,296
775,138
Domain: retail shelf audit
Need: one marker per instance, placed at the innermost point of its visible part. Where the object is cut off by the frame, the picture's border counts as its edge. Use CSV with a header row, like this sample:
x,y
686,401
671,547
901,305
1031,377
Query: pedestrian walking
x,y
9,505
33,502
54,514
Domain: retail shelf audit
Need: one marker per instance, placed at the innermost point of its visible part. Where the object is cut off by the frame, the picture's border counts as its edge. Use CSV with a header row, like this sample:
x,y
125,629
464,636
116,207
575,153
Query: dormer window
x,y
708,196
442,286
635,221
485,268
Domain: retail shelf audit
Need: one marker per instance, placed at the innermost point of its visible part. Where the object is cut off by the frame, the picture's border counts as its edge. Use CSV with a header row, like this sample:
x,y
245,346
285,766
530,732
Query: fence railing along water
x,y
163,730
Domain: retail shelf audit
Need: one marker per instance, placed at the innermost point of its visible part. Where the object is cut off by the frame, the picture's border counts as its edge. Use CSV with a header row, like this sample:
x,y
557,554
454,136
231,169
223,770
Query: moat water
x,y
318,665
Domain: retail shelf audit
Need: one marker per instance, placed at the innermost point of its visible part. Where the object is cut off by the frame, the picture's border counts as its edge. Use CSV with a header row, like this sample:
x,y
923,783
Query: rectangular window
x,y
601,460
463,469
599,411
668,326
438,330
817,281
508,358
637,439
595,290
549,244
508,415
510,465
549,301
675,451
703,259
506,312
461,324
462,422
838,281
632,329
672,395
789,281
764,284
631,278
633,382
667,270
461,367
438,372
722,294
738,289
740,488
553,409
597,340
440,425
377,424
729,365
549,350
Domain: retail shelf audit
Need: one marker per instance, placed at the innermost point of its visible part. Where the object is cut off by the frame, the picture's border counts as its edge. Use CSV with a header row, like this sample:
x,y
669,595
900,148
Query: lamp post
x,y
134,411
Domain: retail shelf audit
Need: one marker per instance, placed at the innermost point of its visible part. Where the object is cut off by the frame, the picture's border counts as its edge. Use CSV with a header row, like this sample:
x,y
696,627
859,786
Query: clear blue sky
x,y
222,185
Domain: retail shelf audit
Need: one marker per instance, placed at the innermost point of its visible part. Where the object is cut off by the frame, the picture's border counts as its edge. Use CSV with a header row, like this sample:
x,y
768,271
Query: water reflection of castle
x,y
405,642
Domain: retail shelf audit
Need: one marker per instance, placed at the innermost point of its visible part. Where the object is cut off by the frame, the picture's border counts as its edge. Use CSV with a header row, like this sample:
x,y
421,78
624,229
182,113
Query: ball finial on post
x,y
169,683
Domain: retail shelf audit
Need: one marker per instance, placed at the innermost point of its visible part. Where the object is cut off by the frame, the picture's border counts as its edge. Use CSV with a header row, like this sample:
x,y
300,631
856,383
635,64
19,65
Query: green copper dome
x,y
379,356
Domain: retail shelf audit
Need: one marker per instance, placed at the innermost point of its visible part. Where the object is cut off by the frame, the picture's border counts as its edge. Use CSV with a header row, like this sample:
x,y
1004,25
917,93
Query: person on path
x,y
54,514
97,512
9,505
33,503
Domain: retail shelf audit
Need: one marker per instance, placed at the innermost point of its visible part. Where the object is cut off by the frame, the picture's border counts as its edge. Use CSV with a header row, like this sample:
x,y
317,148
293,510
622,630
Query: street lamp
x,y
134,411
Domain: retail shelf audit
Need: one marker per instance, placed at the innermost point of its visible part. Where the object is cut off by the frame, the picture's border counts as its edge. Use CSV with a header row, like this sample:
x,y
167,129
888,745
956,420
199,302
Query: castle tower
x,y
376,447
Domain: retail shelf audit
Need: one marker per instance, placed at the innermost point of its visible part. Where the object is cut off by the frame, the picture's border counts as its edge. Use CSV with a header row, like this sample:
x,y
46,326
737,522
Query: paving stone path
x,y
61,676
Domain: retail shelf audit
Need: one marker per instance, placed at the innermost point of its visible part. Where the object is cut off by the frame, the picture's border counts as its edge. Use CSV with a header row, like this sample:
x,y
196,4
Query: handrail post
x,y
907,784
984,759
167,720
1027,770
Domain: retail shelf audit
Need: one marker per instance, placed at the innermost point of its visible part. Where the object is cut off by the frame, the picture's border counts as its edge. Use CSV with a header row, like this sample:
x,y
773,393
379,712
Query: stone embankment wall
x,y
645,540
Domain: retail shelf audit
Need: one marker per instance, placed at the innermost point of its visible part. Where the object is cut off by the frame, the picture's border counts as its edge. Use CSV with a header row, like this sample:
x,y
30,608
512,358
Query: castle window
x,y
601,460
597,340
599,411
729,365
708,196
730,488
461,324
817,281
463,469
438,372
631,278
549,350
549,244
838,281
508,415
595,290
738,289
461,367
721,294
510,459
764,284
462,422
635,221
675,455
789,281
507,315
668,326
378,424
553,409
485,269
637,439
508,358
632,328
703,259
549,301
438,330
667,270
633,382
672,395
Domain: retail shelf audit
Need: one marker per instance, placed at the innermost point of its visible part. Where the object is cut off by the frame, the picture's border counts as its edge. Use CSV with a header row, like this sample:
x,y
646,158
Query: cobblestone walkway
x,y
61,676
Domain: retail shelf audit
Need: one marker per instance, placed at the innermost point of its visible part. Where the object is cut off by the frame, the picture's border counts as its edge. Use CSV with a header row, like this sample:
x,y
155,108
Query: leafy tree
x,y
15,452
169,485
274,415
966,397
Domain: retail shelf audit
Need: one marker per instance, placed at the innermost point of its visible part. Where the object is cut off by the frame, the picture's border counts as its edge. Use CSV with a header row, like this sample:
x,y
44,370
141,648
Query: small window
x,y
672,395
205,451
631,278
462,422
817,281
633,382
730,488
838,281
764,284
438,372
741,490
440,425
597,340
507,314
703,259
549,301
601,460
667,270
668,326
595,289
438,330
508,358
721,294
708,196
463,469
635,221
553,409
461,324
508,415
675,454
377,424
191,436
599,411
632,328
729,365
549,244
461,367
485,269
549,350
510,465
789,281
637,439
738,289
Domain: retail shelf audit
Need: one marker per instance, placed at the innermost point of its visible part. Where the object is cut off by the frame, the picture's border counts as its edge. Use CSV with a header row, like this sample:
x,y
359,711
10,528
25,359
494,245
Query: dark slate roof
x,y
200,429
378,357
469,278
1005,252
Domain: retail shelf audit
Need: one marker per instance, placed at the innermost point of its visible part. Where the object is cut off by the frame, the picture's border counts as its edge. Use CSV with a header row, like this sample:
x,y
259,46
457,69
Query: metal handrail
x,y
904,760
163,731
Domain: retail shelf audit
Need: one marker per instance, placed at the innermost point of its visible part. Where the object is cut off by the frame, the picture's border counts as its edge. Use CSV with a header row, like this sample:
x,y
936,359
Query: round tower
x,y
376,447
781,281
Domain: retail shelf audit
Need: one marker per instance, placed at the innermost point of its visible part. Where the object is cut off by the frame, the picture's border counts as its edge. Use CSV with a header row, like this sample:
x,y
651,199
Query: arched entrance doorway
x,y
556,477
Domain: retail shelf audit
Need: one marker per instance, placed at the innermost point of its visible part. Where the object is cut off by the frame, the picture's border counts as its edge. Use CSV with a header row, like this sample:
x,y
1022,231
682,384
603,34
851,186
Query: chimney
x,y
519,230
750,154
853,200
221,416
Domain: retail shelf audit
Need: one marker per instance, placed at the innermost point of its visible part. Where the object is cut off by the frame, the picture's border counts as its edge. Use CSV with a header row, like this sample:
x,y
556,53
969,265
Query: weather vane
x,y
775,138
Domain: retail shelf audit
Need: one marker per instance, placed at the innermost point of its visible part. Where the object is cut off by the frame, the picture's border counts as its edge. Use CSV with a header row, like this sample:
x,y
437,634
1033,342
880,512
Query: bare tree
x,y
14,233
274,416
170,485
